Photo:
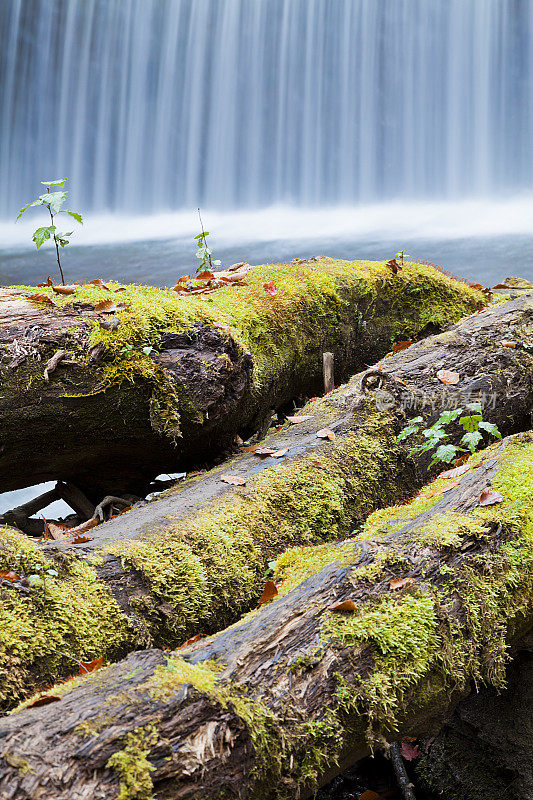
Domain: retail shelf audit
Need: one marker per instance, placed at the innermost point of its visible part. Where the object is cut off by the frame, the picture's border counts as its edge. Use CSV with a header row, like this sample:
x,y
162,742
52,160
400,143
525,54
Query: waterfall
x,y
149,105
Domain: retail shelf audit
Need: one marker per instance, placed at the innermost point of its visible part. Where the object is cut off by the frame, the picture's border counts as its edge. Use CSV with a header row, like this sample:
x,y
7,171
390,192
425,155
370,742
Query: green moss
x,y
73,613
314,309
297,564
93,726
132,764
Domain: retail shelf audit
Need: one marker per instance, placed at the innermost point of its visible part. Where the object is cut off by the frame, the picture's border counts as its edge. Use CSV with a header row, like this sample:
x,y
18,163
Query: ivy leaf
x,y
491,428
59,182
42,234
471,440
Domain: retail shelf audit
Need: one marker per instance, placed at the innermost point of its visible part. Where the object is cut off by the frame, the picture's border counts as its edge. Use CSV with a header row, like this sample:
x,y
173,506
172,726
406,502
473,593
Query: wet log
x,y
194,559
368,641
171,379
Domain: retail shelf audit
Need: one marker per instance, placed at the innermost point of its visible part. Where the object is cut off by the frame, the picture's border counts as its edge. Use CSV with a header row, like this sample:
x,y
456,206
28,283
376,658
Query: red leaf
x,y
501,286
343,607
400,346
234,480
448,377
205,276
490,498
90,666
192,640
10,576
43,700
80,540
271,288
269,592
409,751
393,264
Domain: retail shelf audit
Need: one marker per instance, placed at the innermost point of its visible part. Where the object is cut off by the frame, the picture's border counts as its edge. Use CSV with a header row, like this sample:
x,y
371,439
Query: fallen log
x,y
172,378
194,560
368,641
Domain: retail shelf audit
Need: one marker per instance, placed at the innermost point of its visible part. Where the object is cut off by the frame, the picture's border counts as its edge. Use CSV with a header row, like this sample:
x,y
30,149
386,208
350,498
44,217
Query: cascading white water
x,y
161,104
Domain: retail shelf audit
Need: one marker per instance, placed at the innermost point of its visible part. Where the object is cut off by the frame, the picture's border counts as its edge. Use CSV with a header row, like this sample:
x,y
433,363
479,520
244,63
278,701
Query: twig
x,y
52,363
66,655
402,778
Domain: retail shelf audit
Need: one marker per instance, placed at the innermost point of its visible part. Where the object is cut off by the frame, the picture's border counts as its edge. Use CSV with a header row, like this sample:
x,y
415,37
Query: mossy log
x,y
194,560
169,380
299,690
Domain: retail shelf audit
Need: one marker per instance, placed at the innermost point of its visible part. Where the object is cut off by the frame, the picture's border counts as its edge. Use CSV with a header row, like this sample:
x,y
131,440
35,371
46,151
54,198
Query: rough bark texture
x,y
194,560
109,415
484,749
293,694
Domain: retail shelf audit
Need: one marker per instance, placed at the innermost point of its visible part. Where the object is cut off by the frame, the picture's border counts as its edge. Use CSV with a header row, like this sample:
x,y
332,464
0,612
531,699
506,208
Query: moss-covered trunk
x,y
300,689
181,375
195,559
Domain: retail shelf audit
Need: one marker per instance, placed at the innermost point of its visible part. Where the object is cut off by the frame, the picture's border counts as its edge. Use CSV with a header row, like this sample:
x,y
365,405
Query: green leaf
x,y
407,432
446,452
73,214
29,205
474,407
435,434
147,350
55,200
52,572
60,182
217,263
42,234
467,424
491,428
471,440
449,416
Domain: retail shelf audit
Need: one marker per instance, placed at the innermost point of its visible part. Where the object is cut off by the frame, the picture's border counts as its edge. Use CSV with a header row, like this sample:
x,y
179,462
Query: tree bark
x,y
299,690
193,560
86,400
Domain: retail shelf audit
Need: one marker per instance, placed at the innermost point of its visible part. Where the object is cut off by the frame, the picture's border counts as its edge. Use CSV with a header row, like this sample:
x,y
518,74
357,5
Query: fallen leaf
x,y
436,490
120,289
280,453
192,640
399,583
49,282
400,346
448,377
501,286
343,607
65,289
10,576
325,433
80,540
98,282
455,472
43,700
369,795
54,531
194,473
109,307
41,298
301,418
461,460
409,751
263,452
205,276
90,666
234,480
269,592
271,288
508,344
490,498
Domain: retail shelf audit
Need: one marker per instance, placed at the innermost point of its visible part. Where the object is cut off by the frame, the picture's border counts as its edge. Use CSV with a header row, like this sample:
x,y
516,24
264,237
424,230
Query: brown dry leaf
x,y
234,480
41,298
194,473
448,377
109,307
98,282
369,795
43,700
396,348
490,498
399,583
508,344
49,282
325,433
301,418
343,607
269,592
90,666
10,576
455,472
53,531
120,289
280,453
206,275
435,490
65,289
80,540
393,264
263,452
